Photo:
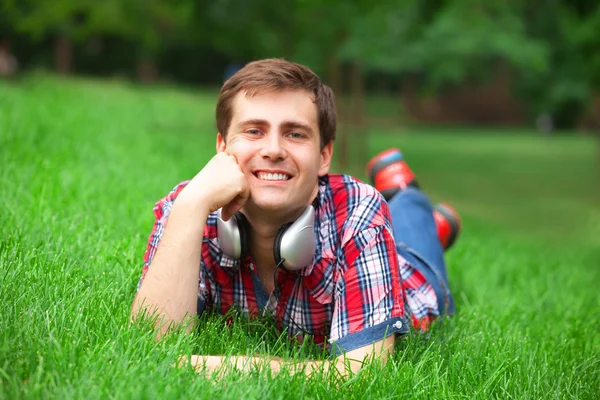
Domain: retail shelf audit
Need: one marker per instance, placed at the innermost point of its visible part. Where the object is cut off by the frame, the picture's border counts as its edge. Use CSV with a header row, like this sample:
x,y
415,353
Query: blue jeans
x,y
417,241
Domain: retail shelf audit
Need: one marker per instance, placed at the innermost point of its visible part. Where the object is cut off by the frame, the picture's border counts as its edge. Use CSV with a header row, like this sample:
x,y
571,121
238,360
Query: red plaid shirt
x,y
357,291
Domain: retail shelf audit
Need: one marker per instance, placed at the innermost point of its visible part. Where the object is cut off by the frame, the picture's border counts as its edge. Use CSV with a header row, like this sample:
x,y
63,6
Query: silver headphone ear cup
x,y
297,242
277,242
228,234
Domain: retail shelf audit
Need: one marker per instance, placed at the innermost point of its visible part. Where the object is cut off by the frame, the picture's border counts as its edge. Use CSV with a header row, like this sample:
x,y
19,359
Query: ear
x,y
326,154
221,145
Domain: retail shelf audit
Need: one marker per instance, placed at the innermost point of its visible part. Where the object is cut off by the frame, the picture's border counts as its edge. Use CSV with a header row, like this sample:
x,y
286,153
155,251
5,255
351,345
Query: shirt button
x,y
398,325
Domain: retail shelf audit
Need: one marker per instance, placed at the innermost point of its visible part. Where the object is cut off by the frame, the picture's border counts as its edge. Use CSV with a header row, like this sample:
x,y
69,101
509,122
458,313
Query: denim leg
x,y
417,241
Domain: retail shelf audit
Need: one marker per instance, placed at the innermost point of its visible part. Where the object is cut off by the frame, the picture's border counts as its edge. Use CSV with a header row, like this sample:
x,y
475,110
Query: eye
x,y
296,135
253,132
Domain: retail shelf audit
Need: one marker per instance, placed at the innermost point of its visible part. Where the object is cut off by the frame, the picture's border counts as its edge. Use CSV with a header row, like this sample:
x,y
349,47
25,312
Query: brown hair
x,y
276,74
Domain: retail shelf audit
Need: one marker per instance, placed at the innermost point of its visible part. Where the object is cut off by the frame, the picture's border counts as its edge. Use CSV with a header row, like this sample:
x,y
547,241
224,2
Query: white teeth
x,y
272,177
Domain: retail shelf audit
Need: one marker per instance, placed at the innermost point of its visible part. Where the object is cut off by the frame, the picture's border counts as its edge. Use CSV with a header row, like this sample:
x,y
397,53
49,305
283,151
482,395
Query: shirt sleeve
x,y
162,209
369,303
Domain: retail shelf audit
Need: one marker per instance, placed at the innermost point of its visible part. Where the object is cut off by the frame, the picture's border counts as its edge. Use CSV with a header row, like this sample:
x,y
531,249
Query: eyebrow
x,y
252,122
296,125
287,125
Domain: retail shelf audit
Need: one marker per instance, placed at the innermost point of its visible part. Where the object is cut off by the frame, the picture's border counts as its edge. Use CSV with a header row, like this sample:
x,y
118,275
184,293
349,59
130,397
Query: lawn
x,y
82,163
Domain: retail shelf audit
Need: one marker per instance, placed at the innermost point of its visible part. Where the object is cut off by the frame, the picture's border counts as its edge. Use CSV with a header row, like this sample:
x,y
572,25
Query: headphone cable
x,y
284,306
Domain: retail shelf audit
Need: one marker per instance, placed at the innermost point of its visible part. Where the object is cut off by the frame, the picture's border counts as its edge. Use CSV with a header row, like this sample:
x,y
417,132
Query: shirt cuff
x,y
396,325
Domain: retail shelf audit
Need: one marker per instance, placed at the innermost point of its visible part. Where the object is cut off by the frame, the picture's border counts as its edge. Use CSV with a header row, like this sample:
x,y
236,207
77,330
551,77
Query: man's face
x,y
275,138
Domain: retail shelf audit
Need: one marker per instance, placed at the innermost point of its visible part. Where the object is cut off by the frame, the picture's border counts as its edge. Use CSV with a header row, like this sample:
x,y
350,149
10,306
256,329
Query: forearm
x,y
344,365
170,289
210,364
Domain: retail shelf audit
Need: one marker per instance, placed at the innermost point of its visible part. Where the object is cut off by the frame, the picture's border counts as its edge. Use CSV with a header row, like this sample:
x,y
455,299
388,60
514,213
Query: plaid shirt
x,y
357,291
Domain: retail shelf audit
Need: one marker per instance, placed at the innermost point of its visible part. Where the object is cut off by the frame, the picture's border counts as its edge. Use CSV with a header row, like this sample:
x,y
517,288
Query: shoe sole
x,y
382,160
453,219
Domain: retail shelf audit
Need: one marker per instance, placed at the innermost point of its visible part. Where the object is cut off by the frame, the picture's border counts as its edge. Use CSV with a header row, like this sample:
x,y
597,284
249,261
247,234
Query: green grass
x,y
82,163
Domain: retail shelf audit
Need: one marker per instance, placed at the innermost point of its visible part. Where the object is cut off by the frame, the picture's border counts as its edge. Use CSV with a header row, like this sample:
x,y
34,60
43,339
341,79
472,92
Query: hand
x,y
221,364
220,184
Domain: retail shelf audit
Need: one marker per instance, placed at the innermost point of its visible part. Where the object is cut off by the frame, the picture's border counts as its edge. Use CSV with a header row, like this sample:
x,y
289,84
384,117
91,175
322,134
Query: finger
x,y
244,194
233,206
236,204
183,360
234,158
225,213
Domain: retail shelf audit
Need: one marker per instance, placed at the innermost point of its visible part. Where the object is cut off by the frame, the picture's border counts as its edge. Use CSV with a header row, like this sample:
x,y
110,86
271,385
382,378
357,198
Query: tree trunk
x,y
63,54
408,95
335,78
335,82
357,94
596,129
147,70
357,101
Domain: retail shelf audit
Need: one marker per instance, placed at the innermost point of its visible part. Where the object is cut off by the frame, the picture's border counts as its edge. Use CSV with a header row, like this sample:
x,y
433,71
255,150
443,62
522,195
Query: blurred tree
x,y
63,20
549,48
248,29
436,45
583,25
149,25
562,90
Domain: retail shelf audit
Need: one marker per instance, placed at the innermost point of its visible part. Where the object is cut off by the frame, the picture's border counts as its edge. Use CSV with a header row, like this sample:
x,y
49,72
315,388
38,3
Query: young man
x,y
337,273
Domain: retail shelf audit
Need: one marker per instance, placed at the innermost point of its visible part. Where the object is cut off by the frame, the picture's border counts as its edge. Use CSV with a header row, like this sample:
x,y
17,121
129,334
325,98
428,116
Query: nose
x,y
273,148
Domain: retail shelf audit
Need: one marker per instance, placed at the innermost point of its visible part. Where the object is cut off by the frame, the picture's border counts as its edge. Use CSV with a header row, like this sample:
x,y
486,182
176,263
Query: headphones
x,y
294,246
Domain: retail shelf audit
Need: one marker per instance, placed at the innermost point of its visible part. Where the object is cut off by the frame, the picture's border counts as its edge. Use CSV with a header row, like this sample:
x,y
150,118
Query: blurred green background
x,y
444,61
404,73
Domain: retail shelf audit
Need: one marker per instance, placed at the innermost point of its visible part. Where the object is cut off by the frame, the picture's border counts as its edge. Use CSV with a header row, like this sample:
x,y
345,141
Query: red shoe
x,y
448,224
389,173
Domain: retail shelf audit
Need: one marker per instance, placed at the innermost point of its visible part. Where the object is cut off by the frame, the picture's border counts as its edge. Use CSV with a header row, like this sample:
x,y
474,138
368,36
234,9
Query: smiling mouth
x,y
267,176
